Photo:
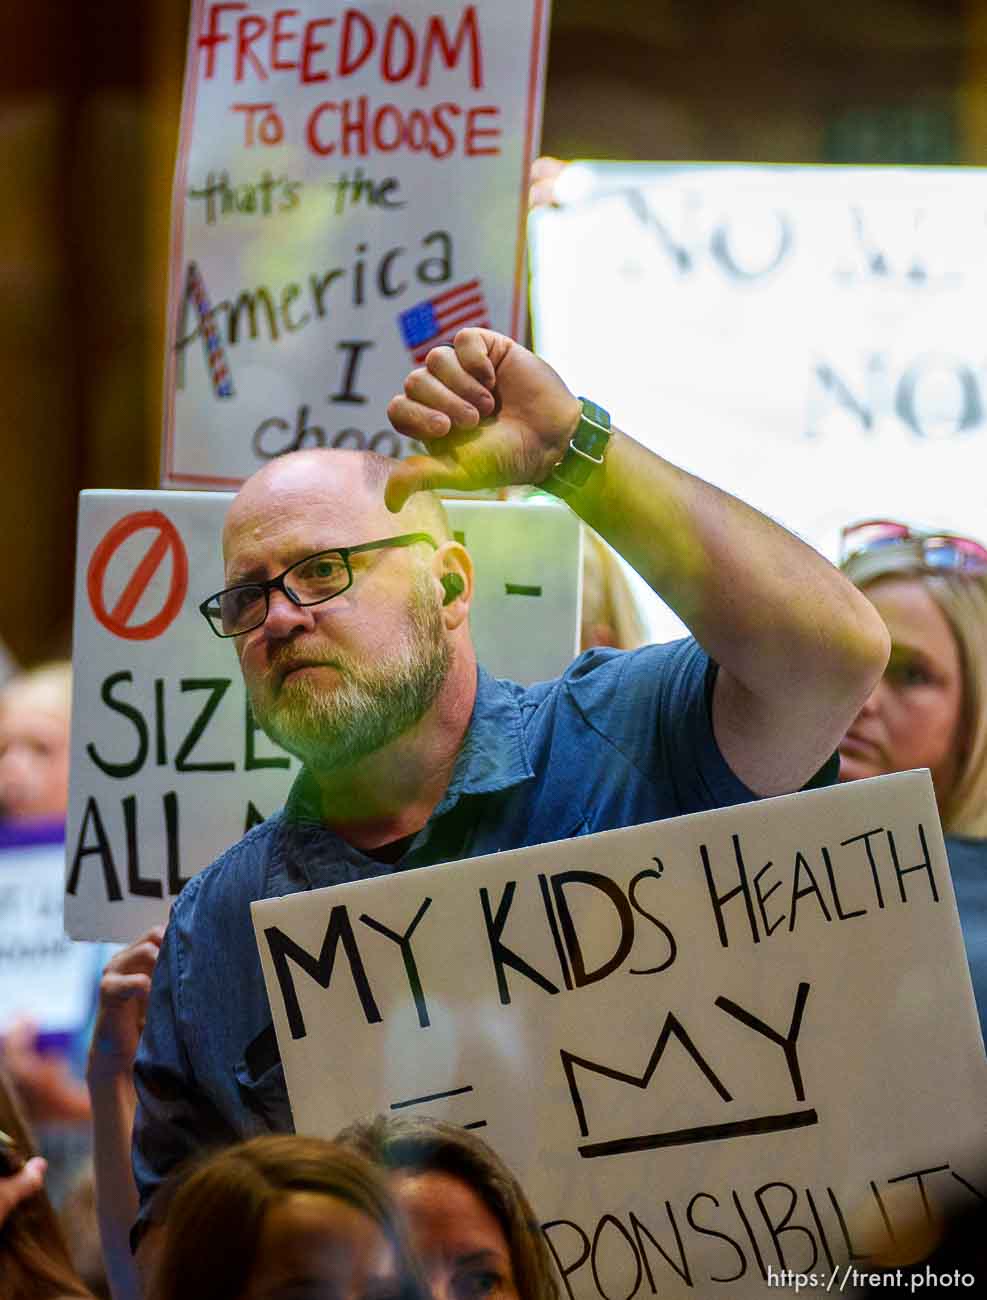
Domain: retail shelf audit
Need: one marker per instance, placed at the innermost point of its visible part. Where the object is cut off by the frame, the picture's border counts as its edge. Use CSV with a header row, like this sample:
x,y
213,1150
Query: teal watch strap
x,y
585,453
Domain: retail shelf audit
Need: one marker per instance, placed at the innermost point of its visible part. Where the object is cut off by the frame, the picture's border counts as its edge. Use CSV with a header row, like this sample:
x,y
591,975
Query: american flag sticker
x,y
219,371
435,320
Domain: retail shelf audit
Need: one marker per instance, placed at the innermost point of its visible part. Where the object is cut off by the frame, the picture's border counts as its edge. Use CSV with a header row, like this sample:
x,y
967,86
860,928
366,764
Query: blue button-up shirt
x,y
968,868
621,738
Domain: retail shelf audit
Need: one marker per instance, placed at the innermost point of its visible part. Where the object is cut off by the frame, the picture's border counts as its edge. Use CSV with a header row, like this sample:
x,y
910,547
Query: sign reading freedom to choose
x,y
168,768
707,1046
351,188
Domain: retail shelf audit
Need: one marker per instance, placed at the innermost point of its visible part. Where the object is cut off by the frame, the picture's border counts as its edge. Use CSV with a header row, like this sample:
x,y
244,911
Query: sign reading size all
x,y
168,767
708,1046
351,188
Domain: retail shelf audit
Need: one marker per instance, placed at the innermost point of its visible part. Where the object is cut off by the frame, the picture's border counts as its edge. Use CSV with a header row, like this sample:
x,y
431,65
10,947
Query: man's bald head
x,y
341,485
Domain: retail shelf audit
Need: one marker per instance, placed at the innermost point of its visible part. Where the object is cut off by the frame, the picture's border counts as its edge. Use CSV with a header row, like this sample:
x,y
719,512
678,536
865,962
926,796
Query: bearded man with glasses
x,y
347,601
372,701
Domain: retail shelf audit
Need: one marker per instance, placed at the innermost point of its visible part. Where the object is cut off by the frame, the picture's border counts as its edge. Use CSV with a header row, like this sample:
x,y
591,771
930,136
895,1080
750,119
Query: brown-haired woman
x,y
284,1215
470,1222
34,1259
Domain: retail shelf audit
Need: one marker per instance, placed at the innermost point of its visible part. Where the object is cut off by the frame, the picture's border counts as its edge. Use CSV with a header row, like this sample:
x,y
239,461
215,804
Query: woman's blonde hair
x,y
608,602
963,601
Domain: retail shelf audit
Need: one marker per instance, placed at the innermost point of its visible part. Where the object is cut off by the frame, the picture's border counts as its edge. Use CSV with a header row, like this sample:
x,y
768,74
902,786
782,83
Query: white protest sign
x,y
167,766
351,187
707,1046
43,974
808,338
525,619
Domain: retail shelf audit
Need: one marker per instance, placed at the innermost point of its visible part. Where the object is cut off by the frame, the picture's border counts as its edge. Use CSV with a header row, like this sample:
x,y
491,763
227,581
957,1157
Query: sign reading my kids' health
x,y
351,188
717,1050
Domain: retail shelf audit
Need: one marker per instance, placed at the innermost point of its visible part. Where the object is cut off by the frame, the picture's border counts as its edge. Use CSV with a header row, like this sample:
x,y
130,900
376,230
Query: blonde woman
x,y
930,708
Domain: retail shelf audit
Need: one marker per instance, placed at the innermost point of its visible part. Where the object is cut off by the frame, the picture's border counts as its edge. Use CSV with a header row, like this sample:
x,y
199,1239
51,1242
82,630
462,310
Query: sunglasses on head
x,y
936,552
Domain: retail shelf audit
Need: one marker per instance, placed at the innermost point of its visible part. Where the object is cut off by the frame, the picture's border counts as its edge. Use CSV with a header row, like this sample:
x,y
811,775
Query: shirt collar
x,y
494,754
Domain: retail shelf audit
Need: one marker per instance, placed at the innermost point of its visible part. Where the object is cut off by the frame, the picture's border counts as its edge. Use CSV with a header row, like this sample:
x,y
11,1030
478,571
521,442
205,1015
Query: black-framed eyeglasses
x,y
309,581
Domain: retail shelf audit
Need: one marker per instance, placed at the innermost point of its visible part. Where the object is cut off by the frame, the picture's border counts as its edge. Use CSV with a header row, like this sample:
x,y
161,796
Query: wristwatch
x,y
585,452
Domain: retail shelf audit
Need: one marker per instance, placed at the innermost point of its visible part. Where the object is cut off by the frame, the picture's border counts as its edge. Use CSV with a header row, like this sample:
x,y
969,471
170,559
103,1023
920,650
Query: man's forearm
x,y
797,640
799,649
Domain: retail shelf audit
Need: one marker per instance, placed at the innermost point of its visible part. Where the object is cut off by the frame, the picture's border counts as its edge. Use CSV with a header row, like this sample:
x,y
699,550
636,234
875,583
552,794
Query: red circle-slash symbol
x,y
166,539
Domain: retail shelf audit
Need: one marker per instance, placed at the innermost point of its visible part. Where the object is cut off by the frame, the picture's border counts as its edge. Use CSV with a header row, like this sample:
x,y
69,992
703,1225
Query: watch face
x,y
585,452
590,440
596,415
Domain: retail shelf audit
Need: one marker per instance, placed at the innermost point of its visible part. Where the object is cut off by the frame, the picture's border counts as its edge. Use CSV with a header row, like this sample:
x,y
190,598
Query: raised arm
x,y
798,648
123,994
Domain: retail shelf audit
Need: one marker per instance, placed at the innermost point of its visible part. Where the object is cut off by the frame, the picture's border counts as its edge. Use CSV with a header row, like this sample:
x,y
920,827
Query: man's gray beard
x,y
369,706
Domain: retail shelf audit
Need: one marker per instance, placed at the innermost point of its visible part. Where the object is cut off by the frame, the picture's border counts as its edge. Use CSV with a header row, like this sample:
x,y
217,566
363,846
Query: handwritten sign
x,y
165,541
815,344
43,974
707,1046
167,765
351,188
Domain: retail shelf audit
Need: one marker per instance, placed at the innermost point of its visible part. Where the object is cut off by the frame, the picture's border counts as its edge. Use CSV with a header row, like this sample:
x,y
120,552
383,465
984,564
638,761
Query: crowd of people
x,y
347,603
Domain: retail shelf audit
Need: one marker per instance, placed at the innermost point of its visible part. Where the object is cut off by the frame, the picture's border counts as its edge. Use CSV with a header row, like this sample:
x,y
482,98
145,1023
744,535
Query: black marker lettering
x,y
605,1222
135,764
101,846
788,1043
802,868
566,1269
713,1232
679,1265
844,916
217,688
138,885
670,938
605,885
410,965
671,1026
718,900
769,926
866,837
925,865
284,950
778,1227
503,957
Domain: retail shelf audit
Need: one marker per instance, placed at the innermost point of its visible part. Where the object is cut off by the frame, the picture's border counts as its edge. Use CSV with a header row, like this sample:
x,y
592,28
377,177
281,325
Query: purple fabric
x,y
19,835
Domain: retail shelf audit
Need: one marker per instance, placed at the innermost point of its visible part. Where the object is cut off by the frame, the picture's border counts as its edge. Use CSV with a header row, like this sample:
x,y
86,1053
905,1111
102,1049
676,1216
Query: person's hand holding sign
x,y
123,994
492,413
